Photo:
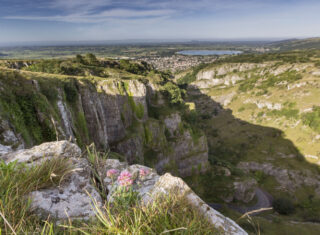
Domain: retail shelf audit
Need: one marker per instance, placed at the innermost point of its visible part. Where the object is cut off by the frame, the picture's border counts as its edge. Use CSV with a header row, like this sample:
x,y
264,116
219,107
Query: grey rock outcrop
x,y
150,185
9,140
244,191
172,123
113,114
289,180
69,199
74,197
169,184
43,152
186,157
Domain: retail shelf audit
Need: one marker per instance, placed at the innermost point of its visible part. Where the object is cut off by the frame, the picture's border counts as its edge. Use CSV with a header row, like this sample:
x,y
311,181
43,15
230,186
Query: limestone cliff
x,y
110,112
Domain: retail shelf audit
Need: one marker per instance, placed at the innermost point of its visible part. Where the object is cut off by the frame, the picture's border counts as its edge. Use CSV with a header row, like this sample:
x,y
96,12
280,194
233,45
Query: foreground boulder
x,y
42,152
74,197
69,199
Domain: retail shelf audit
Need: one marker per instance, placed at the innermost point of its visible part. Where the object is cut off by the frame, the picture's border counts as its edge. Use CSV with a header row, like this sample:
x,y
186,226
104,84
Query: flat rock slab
x,y
74,198
44,151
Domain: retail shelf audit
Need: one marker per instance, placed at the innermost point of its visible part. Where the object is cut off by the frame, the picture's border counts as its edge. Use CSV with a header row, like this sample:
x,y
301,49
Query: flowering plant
x,y
125,179
144,172
112,172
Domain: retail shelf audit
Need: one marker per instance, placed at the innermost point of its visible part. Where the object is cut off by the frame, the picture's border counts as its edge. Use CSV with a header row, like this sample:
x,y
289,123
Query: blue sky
x,y
69,20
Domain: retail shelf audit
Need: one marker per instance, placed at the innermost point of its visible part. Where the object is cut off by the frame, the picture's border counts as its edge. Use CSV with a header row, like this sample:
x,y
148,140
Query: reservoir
x,y
209,52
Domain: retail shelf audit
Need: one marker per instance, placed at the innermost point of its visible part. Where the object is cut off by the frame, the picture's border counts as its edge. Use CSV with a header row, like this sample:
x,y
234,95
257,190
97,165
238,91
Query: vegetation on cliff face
x,y
45,102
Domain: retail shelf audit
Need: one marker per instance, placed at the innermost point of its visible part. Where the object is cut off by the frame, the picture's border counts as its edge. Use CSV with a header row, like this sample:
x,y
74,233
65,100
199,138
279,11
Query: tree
x,y
79,59
91,59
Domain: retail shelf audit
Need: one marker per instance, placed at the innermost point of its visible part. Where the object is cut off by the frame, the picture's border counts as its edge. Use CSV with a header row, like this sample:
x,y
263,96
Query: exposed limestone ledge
x,y
44,151
288,179
169,184
70,199
151,185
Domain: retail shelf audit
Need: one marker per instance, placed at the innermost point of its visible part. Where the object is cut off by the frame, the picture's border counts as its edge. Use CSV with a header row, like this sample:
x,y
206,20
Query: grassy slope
x,y
263,135
299,98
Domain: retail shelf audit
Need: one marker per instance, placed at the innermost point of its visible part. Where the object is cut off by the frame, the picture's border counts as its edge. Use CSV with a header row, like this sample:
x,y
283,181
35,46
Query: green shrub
x,y
139,110
260,176
91,59
173,92
71,92
241,109
312,119
49,91
79,59
133,67
283,206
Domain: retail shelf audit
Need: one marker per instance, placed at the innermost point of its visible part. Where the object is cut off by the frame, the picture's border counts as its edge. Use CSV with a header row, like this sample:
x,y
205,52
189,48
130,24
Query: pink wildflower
x,y
144,172
125,178
112,172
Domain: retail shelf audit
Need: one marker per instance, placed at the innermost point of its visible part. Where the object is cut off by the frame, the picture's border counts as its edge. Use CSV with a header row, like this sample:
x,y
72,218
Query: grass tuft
x,y
16,182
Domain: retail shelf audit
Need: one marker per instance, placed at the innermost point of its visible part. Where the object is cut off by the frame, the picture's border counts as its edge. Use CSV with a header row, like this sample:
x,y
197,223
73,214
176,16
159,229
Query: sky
x,y
86,20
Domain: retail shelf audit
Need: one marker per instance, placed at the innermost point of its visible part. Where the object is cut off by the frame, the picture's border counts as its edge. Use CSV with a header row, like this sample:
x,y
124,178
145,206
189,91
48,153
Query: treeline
x,y
88,64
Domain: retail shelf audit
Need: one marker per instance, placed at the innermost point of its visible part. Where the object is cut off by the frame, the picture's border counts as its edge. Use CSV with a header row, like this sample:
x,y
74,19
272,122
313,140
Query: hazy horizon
x,y
23,21
139,41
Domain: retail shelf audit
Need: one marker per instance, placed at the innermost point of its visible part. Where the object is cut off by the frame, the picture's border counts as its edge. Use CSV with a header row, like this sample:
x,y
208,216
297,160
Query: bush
x,y
173,92
79,59
283,206
135,68
91,59
71,92
312,119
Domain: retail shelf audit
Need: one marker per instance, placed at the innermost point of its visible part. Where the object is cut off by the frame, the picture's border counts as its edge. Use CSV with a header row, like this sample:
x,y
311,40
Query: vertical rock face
x,y
172,123
110,99
8,139
95,115
66,118
112,114
190,155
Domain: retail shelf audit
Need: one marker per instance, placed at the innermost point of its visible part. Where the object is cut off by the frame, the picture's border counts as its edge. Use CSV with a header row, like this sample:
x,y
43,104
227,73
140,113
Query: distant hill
x,y
296,44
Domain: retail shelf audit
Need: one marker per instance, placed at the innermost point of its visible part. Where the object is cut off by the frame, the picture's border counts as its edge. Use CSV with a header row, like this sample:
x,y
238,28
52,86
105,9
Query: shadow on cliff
x,y
232,140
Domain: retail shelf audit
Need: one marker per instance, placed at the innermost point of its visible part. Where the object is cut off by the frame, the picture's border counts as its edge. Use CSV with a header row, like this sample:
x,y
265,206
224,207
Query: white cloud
x,y
97,11
100,17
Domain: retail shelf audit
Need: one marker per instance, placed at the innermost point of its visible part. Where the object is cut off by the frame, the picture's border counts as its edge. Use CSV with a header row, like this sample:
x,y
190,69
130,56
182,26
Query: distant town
x,y
177,63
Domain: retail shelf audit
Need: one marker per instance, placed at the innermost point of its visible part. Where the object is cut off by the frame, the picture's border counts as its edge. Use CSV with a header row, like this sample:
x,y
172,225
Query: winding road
x,y
264,200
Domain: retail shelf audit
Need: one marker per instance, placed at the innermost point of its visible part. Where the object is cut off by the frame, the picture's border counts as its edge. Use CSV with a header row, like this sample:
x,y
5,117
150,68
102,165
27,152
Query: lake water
x,y
208,52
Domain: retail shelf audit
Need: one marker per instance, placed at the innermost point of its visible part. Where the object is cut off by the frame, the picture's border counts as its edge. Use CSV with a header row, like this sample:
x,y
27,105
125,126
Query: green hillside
x,y
266,122
296,44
